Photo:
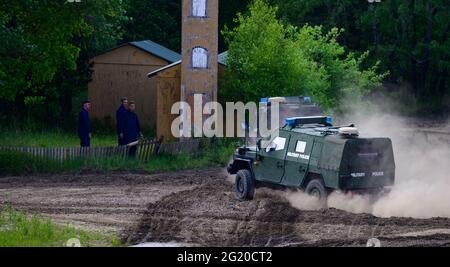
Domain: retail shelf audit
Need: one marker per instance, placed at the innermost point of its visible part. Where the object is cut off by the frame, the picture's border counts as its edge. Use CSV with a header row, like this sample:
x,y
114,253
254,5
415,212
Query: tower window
x,y
199,8
200,58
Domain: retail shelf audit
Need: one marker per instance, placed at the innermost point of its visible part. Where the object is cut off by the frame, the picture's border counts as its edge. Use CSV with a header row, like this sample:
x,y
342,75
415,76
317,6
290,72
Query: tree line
x,y
47,44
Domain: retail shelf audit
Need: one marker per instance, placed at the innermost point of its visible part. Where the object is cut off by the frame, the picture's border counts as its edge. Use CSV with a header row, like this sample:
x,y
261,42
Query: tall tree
x,y
270,58
228,11
105,19
36,42
157,20
411,38
40,65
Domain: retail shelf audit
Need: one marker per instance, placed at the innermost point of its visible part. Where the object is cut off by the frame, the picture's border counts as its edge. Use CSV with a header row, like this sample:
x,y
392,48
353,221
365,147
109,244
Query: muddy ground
x,y
199,208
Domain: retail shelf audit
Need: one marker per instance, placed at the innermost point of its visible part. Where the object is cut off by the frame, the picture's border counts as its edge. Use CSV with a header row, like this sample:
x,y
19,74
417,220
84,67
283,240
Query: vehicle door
x,y
297,159
270,166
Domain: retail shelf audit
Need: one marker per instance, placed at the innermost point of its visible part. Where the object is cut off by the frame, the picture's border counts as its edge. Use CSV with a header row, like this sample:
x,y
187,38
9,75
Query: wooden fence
x,y
145,150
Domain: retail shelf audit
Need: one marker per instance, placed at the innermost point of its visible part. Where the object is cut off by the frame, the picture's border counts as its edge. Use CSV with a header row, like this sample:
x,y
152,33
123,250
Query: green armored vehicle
x,y
310,154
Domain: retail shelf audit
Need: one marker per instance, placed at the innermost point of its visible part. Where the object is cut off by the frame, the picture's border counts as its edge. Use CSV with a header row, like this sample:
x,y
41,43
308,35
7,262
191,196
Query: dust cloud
x,y
422,155
302,201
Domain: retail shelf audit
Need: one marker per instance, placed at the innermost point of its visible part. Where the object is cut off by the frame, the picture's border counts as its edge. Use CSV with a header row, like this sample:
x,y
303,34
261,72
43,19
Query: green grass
x,y
34,135
12,163
18,229
50,138
216,157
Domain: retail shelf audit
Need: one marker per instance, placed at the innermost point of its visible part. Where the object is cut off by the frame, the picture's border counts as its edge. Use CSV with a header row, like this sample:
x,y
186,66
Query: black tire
x,y
317,188
244,185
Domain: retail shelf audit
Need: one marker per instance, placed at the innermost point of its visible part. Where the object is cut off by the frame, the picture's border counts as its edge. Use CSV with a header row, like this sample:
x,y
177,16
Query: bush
x,y
268,58
15,163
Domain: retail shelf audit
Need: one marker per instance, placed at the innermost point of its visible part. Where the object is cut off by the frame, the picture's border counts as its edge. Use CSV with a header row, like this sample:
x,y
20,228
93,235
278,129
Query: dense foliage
x,y
157,20
411,39
47,44
268,58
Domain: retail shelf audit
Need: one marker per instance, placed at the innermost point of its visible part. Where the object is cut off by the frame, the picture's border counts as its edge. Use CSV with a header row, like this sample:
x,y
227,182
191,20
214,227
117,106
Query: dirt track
x,y
199,208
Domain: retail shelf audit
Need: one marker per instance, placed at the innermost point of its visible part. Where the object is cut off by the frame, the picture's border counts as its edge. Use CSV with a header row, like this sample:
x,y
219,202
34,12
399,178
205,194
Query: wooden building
x,y
168,92
122,72
197,73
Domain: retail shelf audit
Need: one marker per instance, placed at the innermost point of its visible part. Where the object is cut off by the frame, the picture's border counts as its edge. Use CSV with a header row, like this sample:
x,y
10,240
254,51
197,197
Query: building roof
x,y
151,48
221,59
157,50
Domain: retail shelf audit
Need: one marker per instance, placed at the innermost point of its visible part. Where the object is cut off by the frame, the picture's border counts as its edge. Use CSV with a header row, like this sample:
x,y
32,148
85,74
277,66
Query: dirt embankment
x,y
210,215
199,208
94,201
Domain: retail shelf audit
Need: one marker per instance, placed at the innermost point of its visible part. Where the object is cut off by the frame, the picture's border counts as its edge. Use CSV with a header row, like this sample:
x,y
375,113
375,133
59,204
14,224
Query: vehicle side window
x,y
279,142
300,147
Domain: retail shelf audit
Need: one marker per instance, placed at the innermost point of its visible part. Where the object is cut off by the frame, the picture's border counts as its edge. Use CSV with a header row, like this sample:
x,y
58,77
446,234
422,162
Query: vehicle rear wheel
x,y
316,188
244,185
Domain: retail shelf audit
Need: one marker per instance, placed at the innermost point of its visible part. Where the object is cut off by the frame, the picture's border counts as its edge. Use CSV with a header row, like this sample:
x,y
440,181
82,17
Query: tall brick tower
x,y
200,32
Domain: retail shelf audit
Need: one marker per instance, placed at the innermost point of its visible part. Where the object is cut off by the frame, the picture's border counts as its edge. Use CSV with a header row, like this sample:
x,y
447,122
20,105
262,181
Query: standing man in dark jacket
x,y
120,120
132,128
84,125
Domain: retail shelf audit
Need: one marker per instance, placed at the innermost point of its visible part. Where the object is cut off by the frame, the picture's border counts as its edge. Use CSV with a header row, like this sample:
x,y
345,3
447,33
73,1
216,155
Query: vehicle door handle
x,y
280,165
301,169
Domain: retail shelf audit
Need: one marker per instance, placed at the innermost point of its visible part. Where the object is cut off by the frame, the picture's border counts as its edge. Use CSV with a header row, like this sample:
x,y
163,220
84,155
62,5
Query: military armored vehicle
x,y
311,154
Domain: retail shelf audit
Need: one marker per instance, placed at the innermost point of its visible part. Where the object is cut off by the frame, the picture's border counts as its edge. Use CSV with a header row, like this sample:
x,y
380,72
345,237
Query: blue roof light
x,y
291,122
264,100
294,122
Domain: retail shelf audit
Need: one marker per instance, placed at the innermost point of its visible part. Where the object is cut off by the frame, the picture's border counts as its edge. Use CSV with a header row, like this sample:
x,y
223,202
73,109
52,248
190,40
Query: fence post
x,y
149,149
144,150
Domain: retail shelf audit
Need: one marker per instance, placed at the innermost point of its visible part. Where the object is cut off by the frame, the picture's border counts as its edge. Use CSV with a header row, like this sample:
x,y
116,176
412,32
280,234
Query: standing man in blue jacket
x,y
84,125
120,120
132,127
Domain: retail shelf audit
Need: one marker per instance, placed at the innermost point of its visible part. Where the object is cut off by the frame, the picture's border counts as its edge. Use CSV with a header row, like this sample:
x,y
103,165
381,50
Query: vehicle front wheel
x,y
316,188
244,185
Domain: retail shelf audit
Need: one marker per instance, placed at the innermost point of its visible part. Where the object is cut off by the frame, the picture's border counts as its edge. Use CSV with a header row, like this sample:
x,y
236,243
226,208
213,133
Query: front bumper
x,y
230,168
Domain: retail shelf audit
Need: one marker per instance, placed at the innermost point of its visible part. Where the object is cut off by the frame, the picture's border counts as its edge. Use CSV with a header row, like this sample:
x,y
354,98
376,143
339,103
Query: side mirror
x,y
271,148
237,144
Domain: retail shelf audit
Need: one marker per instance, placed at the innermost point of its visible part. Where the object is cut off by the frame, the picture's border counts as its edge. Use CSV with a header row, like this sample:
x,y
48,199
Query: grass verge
x,y
12,163
18,229
50,138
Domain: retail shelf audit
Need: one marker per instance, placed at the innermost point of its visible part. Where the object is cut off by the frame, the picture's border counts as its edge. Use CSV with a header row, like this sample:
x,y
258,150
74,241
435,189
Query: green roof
x,y
157,50
222,58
